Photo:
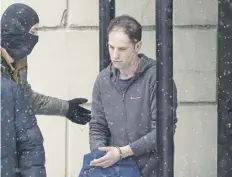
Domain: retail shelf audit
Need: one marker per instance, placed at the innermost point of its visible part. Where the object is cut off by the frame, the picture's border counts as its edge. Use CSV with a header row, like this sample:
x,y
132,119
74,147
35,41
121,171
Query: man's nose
x,y
116,54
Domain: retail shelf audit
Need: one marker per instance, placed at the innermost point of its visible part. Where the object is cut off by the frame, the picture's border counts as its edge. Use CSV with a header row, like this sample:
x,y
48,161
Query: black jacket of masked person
x,y
22,150
17,42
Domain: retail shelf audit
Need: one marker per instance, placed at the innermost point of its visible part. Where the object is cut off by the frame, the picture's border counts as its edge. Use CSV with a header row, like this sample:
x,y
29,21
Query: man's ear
x,y
138,46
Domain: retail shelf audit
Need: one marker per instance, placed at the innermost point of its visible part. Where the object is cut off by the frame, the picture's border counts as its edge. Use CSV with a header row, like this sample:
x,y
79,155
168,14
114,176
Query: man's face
x,y
122,50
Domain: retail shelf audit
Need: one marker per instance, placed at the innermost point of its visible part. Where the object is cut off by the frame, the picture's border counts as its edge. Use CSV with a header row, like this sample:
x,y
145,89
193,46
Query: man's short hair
x,y
129,25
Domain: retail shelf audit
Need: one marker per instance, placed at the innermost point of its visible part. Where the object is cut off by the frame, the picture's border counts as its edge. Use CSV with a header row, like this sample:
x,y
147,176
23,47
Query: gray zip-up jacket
x,y
41,104
128,118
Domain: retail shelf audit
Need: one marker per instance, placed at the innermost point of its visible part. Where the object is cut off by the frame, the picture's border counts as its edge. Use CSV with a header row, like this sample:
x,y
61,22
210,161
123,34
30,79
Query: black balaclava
x,y
16,23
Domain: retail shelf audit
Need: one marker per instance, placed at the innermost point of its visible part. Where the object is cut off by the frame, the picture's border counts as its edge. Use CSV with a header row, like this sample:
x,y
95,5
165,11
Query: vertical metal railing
x,y
106,13
224,88
164,54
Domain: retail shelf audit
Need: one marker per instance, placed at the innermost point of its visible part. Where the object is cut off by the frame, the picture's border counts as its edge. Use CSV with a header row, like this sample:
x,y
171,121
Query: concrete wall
x,y
65,64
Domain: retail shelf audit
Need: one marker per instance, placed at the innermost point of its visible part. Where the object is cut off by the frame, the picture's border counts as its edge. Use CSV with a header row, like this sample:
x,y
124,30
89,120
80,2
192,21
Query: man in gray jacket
x,y
19,35
124,101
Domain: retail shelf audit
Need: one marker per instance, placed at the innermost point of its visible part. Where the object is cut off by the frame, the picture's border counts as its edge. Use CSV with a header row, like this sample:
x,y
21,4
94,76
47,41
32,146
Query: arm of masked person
x,y
148,142
98,128
47,105
29,140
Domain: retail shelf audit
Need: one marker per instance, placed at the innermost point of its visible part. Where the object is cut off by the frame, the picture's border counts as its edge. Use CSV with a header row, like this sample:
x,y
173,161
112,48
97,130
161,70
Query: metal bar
x,y
224,87
106,14
164,54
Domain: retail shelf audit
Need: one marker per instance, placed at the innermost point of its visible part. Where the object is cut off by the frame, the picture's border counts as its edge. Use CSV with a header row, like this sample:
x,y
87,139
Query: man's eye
x,y
122,49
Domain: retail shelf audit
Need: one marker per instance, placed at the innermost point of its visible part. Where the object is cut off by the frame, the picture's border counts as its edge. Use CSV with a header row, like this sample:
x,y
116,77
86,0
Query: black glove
x,y
78,114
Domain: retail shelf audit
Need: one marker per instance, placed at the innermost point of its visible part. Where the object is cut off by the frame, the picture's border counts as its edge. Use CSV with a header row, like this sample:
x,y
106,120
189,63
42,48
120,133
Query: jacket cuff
x,y
138,147
65,107
94,146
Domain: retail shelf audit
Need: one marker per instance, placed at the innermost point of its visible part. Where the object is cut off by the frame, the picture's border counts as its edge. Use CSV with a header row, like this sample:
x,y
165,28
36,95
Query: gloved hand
x,y
76,113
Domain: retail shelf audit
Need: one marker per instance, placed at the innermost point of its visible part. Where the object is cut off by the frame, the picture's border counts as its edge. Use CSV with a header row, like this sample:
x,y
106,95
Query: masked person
x,y
19,35
124,101
22,150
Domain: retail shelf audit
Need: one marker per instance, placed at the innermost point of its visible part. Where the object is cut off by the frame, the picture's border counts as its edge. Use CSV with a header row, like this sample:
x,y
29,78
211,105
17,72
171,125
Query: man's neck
x,y
131,70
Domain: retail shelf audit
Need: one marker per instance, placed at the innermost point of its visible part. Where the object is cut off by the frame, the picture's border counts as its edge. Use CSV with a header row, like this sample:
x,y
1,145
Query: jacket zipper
x,y
125,109
123,96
